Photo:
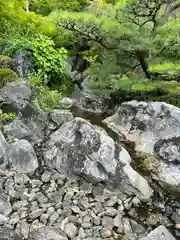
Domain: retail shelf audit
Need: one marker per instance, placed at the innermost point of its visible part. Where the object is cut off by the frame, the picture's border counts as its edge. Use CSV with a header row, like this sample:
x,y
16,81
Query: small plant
x,y
147,163
7,117
7,75
5,61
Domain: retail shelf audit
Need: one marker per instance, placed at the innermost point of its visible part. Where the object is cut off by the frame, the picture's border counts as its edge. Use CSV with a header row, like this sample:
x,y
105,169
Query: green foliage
x,y
7,117
5,61
44,7
49,61
48,99
7,75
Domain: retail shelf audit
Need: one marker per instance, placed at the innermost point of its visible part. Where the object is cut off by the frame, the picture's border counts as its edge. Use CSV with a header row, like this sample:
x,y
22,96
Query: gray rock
x,y
19,204
105,233
127,226
30,126
111,212
154,127
118,221
75,209
35,214
86,101
47,233
5,206
70,230
137,228
61,116
81,233
8,234
44,217
111,202
107,222
53,217
80,148
86,225
66,103
3,219
14,218
50,211
25,229
3,147
21,157
41,198
16,96
83,203
159,233
46,177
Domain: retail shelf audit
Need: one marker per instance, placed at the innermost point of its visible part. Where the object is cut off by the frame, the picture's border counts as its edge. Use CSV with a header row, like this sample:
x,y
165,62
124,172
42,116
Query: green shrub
x,y
48,99
50,62
5,61
7,75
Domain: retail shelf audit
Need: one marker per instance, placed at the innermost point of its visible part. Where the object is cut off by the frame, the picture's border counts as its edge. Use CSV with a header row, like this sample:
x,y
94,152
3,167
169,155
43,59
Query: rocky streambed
x,y
68,175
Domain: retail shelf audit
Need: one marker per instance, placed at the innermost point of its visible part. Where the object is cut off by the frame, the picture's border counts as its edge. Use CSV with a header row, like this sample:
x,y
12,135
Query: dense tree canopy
x,y
129,45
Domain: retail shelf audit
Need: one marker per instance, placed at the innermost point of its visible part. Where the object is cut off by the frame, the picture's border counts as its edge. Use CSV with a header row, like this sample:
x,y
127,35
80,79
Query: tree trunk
x,y
144,65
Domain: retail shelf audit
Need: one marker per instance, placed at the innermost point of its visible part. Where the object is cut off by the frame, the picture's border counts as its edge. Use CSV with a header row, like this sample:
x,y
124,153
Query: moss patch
x,y
7,75
5,61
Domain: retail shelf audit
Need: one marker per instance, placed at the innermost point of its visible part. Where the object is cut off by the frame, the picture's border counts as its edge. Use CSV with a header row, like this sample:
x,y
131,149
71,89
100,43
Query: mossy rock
x,y
7,75
5,61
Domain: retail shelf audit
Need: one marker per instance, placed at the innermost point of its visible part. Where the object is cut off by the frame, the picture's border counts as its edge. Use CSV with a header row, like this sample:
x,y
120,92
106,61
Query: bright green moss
x,y
7,75
7,117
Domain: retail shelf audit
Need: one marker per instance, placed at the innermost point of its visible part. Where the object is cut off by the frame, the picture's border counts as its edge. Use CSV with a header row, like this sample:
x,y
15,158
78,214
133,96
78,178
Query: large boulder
x,y
8,234
31,125
154,127
160,233
81,148
16,96
47,233
21,157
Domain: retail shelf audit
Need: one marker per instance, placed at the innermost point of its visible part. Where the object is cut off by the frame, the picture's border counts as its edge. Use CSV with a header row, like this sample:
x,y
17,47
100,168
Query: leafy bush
x,y
48,99
5,61
7,75
50,62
